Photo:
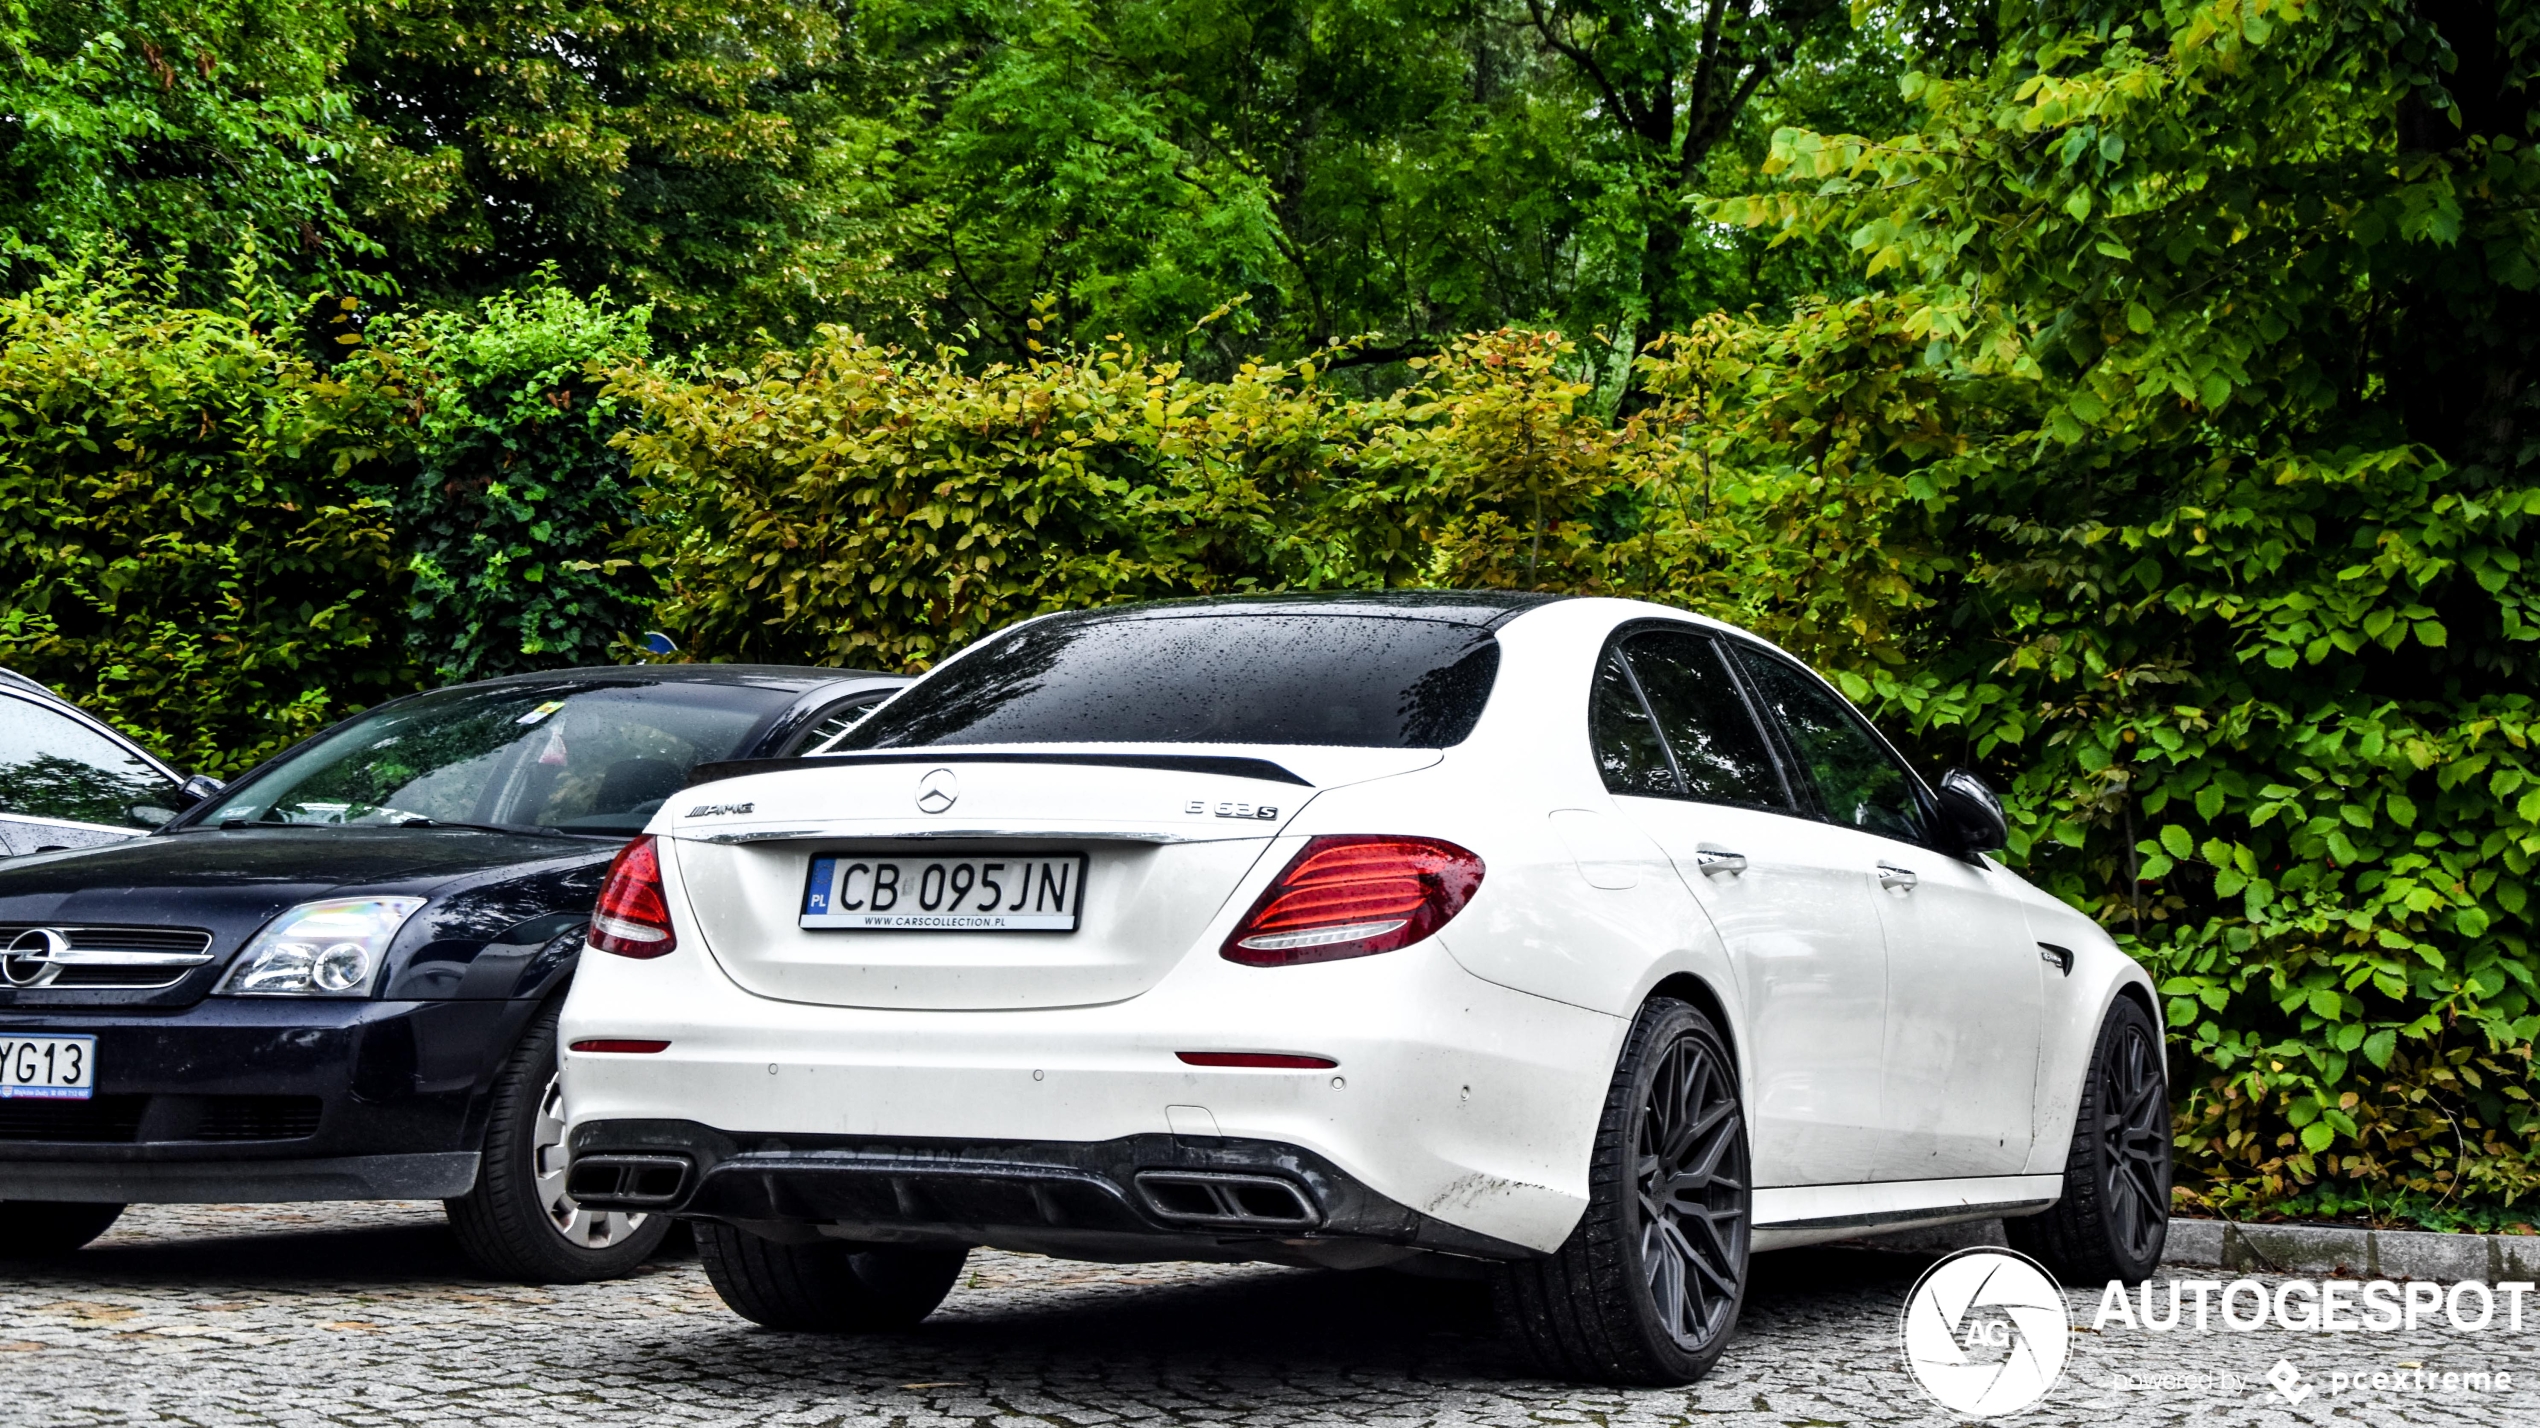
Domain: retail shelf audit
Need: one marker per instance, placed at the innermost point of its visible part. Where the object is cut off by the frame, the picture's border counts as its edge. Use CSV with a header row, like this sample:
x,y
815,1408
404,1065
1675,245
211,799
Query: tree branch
x,y
1624,110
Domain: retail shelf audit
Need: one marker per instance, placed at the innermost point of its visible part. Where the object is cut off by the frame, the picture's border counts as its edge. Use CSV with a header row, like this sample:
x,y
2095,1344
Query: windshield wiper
x,y
477,827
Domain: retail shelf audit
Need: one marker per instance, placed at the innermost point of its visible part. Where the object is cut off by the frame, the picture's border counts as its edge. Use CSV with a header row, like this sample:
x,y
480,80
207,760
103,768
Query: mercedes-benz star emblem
x,y
29,961
938,791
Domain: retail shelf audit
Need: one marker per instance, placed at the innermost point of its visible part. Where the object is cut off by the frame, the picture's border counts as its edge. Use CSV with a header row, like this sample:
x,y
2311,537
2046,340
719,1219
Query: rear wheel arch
x,y
1691,989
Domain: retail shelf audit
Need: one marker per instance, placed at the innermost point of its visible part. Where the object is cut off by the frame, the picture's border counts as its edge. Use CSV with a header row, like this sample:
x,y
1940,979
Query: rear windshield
x,y
1364,681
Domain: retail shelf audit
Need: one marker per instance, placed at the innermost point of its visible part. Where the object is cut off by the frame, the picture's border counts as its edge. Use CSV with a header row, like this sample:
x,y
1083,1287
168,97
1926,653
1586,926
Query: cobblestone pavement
x,y
366,1314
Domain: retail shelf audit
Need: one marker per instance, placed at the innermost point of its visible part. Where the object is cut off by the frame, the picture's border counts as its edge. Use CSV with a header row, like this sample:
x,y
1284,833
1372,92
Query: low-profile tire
x,y
518,1223
1647,1288
2114,1215
42,1229
830,1287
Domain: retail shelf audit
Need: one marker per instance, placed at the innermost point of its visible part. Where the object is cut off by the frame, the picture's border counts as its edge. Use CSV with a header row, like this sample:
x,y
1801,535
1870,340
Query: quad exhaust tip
x,y
627,1181
1201,1197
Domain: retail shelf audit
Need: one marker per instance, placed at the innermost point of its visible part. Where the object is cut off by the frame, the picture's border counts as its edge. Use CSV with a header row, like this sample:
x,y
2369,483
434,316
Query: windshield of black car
x,y
1248,677
582,758
54,767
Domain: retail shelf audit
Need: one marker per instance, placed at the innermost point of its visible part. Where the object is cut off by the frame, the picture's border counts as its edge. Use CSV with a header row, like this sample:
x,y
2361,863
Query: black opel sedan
x,y
337,979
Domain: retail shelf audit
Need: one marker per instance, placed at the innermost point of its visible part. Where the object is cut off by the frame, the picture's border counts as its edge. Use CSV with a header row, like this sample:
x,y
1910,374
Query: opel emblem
x,y
29,961
937,791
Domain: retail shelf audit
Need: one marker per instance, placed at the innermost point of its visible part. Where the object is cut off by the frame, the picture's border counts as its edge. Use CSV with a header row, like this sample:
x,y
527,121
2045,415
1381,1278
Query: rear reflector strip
x,y
1277,1061
619,1044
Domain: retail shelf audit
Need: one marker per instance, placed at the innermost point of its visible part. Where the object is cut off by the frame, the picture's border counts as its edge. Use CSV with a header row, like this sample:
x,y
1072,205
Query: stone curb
x,y
2292,1249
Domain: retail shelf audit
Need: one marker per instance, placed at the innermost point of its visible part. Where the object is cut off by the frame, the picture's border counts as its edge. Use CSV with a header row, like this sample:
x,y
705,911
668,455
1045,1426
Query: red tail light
x,y
633,918
620,1045
1354,895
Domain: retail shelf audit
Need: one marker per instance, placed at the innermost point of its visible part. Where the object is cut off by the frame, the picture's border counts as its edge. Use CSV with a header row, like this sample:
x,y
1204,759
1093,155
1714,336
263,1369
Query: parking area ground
x,y
362,1315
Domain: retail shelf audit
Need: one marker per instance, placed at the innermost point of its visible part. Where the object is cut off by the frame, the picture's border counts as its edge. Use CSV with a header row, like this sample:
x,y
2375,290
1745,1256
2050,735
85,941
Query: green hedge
x,y
184,546
220,542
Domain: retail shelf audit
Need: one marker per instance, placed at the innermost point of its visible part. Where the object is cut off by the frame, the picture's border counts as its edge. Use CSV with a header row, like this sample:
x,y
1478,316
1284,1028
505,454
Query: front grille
x,y
130,979
259,1118
164,941
98,1120
120,939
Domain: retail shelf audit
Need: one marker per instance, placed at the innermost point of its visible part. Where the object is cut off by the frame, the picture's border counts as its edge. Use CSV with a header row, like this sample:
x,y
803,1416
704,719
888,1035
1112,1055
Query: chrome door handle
x,y
1892,877
1714,861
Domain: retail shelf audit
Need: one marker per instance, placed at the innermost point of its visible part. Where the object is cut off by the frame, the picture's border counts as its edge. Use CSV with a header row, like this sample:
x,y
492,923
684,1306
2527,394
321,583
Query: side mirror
x,y
194,790
1971,813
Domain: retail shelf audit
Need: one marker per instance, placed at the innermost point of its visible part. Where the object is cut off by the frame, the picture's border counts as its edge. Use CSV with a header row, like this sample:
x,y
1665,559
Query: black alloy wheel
x,y
2113,1219
1648,1286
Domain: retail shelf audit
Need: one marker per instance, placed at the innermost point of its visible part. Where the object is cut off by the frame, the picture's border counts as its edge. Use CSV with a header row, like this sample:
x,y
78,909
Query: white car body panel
x,y
1810,979
1964,993
1907,1057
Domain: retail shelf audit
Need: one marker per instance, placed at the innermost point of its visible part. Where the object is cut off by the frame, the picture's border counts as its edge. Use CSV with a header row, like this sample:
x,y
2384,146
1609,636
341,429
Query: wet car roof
x,y
1481,608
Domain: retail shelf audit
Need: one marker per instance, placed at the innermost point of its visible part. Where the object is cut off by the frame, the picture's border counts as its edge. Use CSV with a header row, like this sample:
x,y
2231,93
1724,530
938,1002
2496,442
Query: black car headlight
x,y
332,948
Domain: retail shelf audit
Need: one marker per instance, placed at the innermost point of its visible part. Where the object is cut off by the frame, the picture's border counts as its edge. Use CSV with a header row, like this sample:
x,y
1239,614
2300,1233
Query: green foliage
x,y
161,128
708,159
2222,312
181,547
862,505
509,521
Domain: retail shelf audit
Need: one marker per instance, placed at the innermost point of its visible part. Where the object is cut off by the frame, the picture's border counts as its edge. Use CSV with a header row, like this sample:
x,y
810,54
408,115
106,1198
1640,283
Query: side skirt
x,y
1792,1215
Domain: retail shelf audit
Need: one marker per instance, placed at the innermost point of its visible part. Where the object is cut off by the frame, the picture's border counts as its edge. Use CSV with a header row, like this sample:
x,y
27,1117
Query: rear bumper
x,y
1463,1101
1144,1197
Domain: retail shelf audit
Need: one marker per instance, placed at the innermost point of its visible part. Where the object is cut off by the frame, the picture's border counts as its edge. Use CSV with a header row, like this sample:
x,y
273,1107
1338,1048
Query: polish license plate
x,y
959,893
47,1068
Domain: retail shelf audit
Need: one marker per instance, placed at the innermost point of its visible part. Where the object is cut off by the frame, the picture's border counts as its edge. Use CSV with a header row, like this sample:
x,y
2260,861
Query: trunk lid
x,y
1167,837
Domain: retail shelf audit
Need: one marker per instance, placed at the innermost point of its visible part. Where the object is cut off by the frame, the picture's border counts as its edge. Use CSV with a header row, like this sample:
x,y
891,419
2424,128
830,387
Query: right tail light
x,y
633,916
1353,895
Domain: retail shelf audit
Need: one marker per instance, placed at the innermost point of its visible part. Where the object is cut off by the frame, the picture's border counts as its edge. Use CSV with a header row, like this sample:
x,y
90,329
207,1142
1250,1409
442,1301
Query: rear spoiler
x,y
1227,765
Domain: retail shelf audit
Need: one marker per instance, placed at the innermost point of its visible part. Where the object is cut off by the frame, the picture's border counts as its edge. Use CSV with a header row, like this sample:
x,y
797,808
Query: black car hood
x,y
276,865
232,881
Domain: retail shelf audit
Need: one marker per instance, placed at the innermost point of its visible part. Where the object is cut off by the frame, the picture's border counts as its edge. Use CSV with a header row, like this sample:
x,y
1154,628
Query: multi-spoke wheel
x,y
518,1223
1647,1288
2114,1216
548,1160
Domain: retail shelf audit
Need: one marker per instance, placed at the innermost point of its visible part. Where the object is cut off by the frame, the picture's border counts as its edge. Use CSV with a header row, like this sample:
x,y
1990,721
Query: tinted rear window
x,y
1362,681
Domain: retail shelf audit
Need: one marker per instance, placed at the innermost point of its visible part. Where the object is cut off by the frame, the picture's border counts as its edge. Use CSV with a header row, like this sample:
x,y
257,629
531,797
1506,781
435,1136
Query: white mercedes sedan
x,y
1584,944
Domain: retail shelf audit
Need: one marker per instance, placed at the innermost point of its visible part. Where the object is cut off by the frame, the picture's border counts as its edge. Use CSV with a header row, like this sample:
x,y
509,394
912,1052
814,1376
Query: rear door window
x,y
1361,681
54,767
1720,752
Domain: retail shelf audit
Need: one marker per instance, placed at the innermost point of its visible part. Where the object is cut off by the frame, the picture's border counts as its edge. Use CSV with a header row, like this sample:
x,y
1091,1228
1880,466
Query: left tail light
x,y
633,918
1353,895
